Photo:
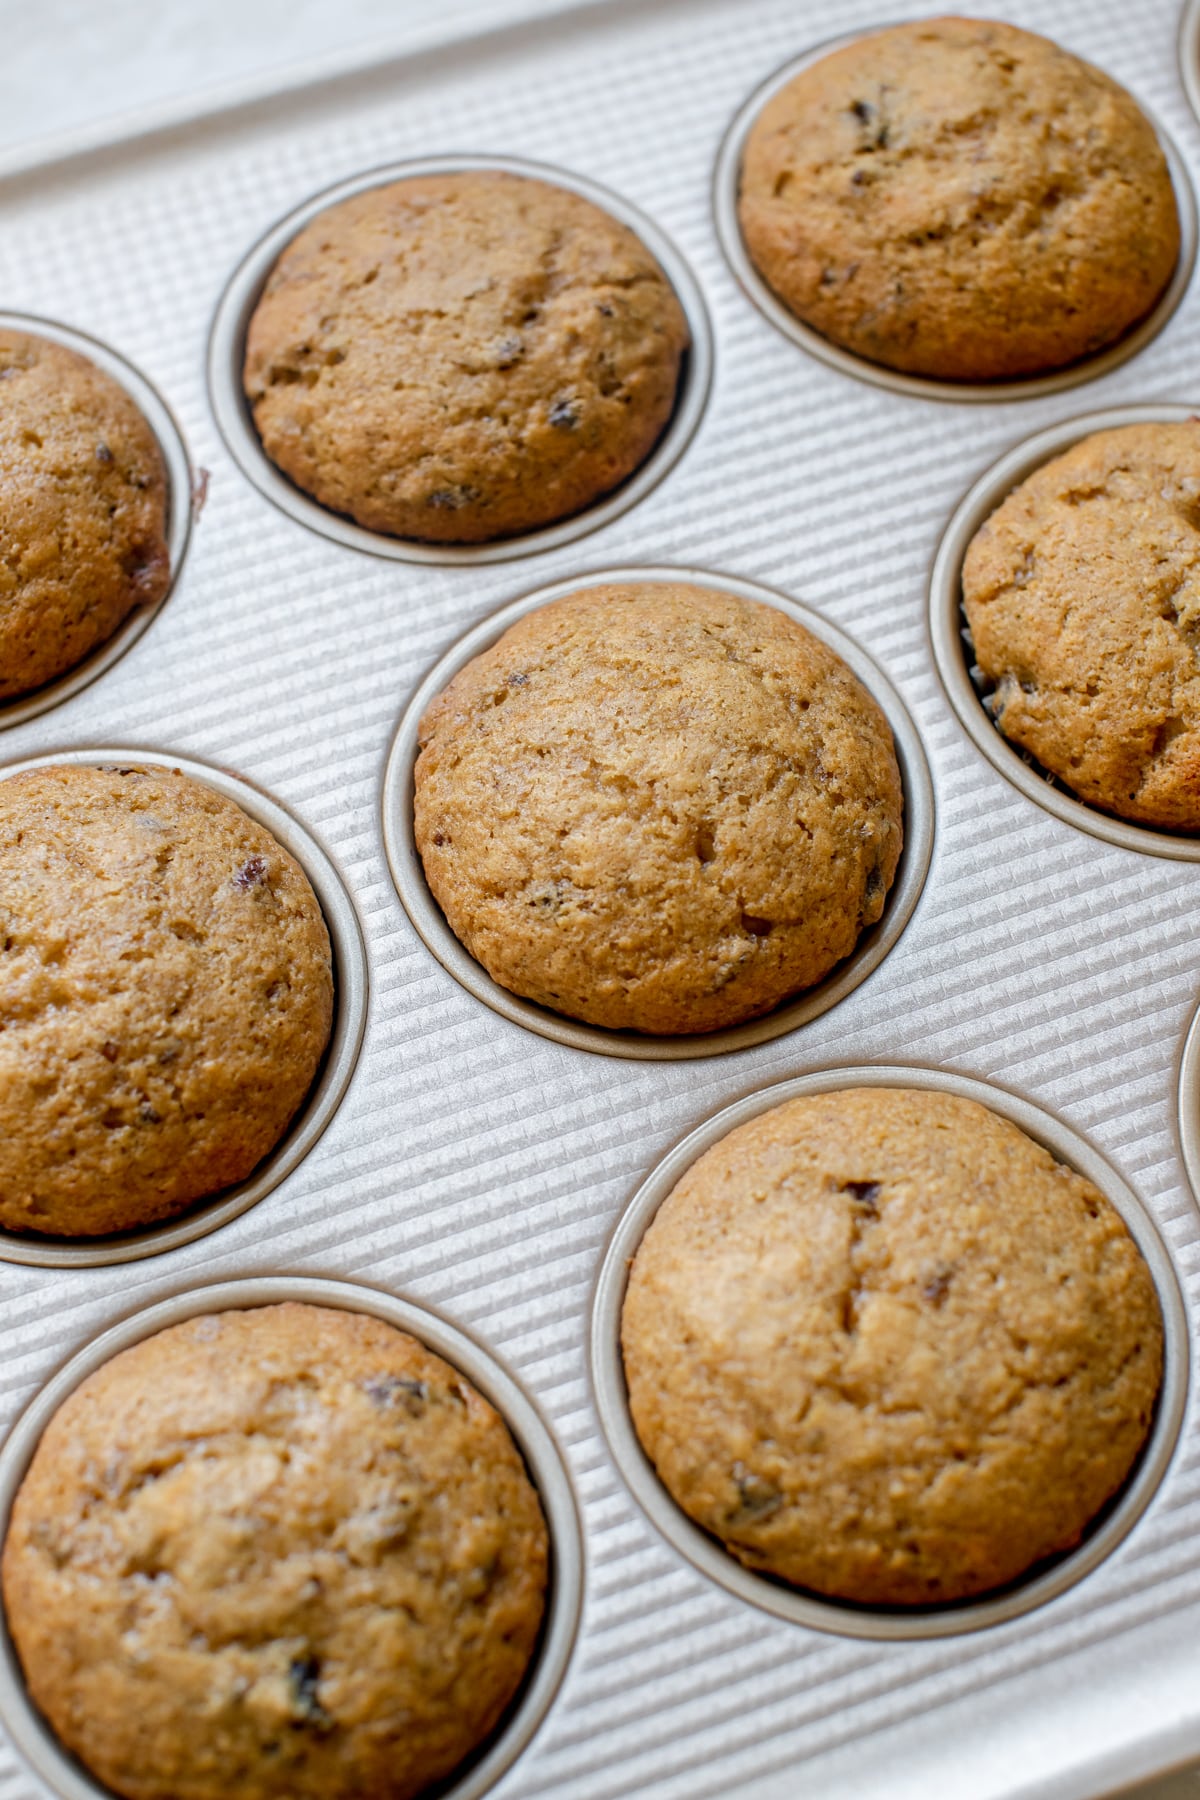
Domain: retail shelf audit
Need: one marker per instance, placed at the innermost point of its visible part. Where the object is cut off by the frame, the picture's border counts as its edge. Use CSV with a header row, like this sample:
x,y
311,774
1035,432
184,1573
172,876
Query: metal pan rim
x,y
34,1737
226,349
430,923
726,178
180,488
946,621
792,1604
351,988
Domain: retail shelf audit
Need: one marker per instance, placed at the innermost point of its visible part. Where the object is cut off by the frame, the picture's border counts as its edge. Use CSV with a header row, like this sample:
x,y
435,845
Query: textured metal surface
x,y
725,197
884,1624
409,875
481,1168
534,1439
180,506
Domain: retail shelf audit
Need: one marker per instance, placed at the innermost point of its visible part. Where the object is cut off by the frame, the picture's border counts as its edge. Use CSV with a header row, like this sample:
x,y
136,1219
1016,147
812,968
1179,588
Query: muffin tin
x,y
477,1163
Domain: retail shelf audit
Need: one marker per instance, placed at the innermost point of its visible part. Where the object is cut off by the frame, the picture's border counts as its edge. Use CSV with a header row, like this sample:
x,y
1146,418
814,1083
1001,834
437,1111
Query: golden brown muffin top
x,y
279,1553
1082,591
463,357
83,510
166,994
885,1347
959,199
658,806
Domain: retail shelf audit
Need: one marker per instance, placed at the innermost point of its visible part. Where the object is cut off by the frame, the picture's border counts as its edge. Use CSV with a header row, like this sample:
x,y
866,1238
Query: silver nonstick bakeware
x,y
478,1167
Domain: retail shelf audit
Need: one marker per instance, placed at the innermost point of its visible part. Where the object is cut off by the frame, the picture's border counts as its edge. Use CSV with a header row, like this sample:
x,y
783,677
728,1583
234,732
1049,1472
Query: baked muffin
x,y
657,807
83,511
274,1554
463,357
166,995
884,1347
1082,592
959,199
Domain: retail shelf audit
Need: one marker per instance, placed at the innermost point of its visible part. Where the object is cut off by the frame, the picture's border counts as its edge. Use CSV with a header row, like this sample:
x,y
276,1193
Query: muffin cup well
x,y
227,349
706,1553
180,488
426,915
726,180
26,1726
350,987
950,636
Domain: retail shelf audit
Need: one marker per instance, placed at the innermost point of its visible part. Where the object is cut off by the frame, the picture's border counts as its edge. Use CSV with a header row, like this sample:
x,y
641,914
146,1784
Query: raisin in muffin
x,y
885,1347
166,995
1082,591
280,1554
658,807
83,511
959,199
463,357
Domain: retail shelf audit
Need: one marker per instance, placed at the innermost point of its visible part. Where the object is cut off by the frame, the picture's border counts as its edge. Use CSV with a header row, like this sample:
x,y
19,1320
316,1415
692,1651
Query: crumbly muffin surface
x,y
280,1553
885,1347
166,994
959,199
463,357
658,807
1082,592
83,511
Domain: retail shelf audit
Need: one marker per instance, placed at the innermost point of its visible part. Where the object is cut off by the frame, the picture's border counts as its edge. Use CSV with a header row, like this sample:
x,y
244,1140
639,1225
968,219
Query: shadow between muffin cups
x,y
180,506
227,345
951,643
350,987
798,1606
726,180
430,922
544,1462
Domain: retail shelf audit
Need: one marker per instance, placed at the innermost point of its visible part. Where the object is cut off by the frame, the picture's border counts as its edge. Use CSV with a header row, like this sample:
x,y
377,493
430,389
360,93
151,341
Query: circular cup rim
x,y
945,623
1189,54
547,1468
226,347
177,463
351,993
1188,1099
873,946
795,1605
726,179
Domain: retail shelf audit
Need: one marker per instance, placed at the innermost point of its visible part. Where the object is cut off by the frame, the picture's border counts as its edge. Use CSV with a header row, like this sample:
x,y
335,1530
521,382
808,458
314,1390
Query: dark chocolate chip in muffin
x,y
229,1571
166,996
957,198
1083,595
658,807
83,511
884,1347
463,357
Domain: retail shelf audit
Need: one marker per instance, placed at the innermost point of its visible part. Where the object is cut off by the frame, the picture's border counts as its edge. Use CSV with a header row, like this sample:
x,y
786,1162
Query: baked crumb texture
x,y
886,1348
83,511
463,357
1082,592
658,807
959,199
166,995
274,1554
